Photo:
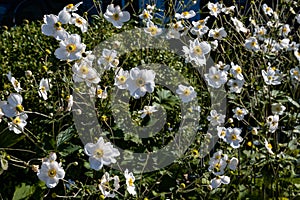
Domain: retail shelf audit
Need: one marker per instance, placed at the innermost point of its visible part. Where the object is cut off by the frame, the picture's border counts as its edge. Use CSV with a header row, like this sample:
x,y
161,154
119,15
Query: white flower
x,y
271,77
236,71
214,44
64,17
268,147
260,32
239,113
13,106
2,103
298,18
130,182
217,33
150,8
70,102
72,7
116,16
221,132
44,87
148,110
172,33
228,10
233,137
140,82
284,30
199,27
80,22
83,71
278,108
70,48
185,15
102,94
252,44
18,123
121,78
217,181
235,85
216,118
297,54
215,8
217,166
177,26
145,15
196,52
267,10
186,93
272,122
215,78
239,26
152,29
51,172
52,27
295,73
293,46
16,84
282,44
108,59
101,153
105,186
233,163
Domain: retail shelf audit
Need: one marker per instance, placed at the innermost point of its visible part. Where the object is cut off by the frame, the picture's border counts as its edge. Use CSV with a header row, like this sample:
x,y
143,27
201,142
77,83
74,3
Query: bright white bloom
x,y
228,10
222,66
293,46
72,7
267,10
84,71
53,27
116,16
70,102
278,109
145,15
51,172
178,26
102,94
217,166
130,182
121,78
196,52
148,110
101,153
80,22
87,56
108,59
1,112
269,45
297,54
64,17
14,105
282,44
235,85
298,18
199,27
239,113
152,29
216,78
239,26
252,44
18,123
215,118
140,82
70,48
254,131
16,84
221,132
44,88
260,32
272,122
186,93
295,73
150,8
214,44
105,186
217,33
284,30
233,137
185,15
233,163
268,147
271,77
218,180
214,8
236,71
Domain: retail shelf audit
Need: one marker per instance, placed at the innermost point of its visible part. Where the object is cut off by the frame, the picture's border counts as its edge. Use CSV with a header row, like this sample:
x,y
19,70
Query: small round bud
x,y
28,73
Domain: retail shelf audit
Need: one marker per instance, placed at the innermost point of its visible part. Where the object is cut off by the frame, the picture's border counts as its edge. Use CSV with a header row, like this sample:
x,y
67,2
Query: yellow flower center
x,y
214,9
261,32
249,143
130,182
223,133
185,13
233,137
253,44
269,146
16,83
186,92
217,166
57,26
84,70
20,108
99,91
268,9
153,30
199,26
284,29
108,58
79,21
69,6
43,89
116,16
98,153
218,157
71,48
140,82
217,34
17,120
52,173
146,15
239,112
198,50
216,77
122,79
238,70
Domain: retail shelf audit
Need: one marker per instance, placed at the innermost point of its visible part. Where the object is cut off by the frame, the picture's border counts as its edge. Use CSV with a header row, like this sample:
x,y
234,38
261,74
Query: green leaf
x,y
69,150
8,139
64,136
293,102
23,192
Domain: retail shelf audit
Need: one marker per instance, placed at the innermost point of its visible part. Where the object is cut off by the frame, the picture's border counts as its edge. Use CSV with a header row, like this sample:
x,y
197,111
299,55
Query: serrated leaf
x,y
64,136
23,192
69,150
